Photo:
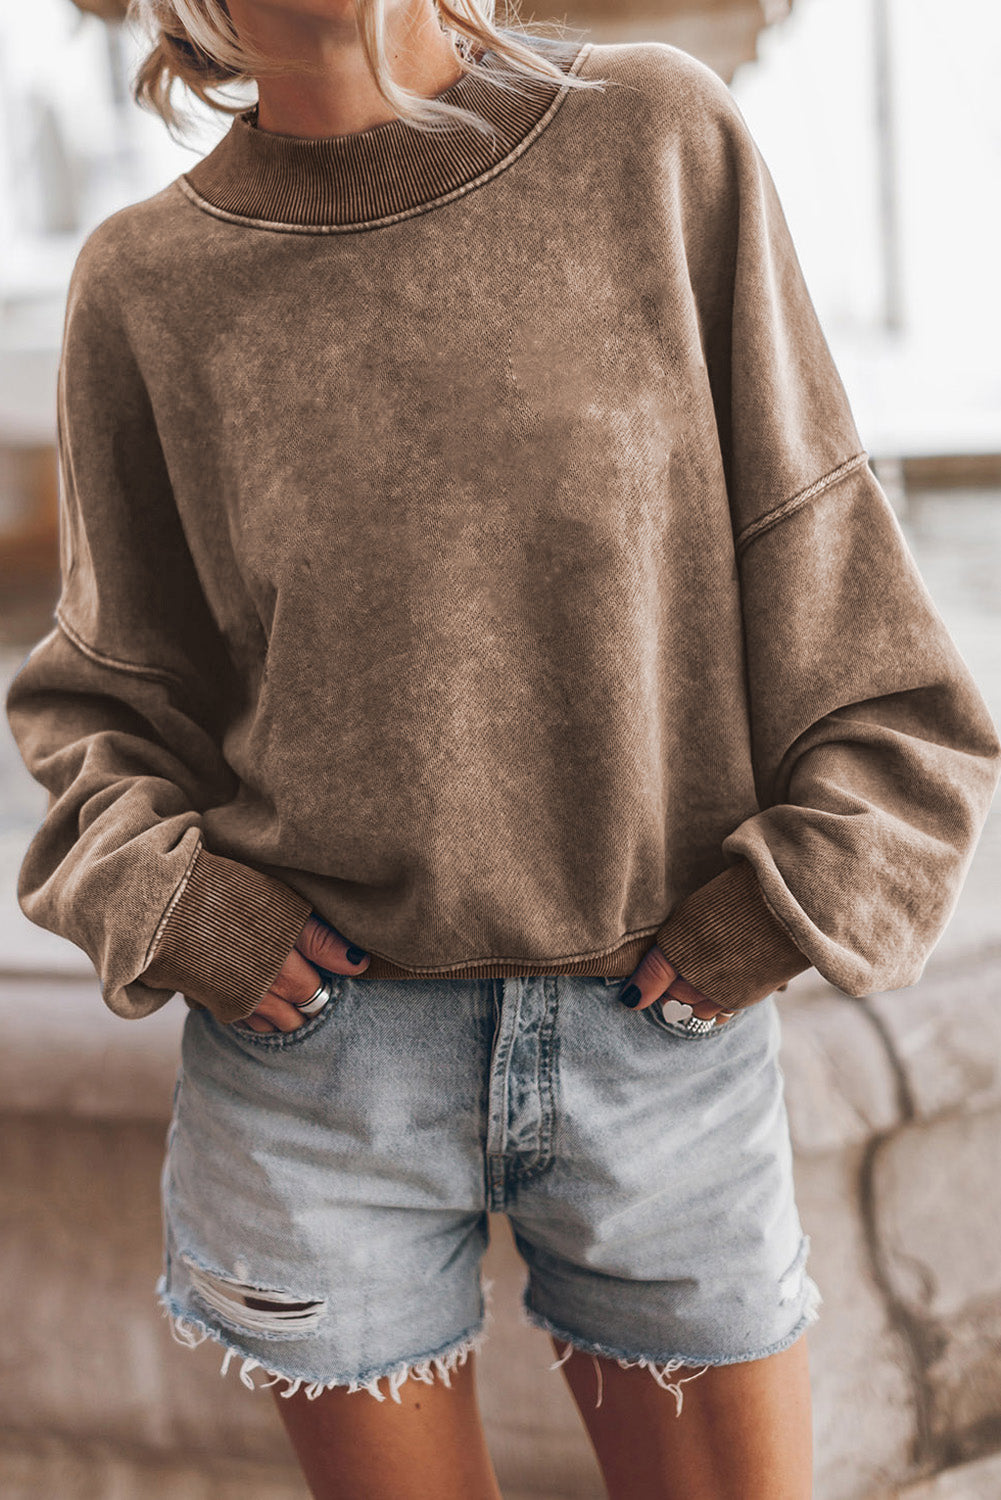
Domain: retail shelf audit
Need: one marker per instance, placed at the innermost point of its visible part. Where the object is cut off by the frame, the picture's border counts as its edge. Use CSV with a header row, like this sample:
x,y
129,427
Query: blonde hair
x,y
195,41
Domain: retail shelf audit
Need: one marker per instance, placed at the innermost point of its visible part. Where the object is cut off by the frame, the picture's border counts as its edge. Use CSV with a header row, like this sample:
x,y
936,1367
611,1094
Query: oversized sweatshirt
x,y
468,539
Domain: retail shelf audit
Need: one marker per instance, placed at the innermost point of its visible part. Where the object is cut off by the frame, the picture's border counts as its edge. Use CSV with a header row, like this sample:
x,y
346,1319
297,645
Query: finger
x,y
703,1008
648,981
686,994
706,1010
254,1023
281,1014
298,980
325,946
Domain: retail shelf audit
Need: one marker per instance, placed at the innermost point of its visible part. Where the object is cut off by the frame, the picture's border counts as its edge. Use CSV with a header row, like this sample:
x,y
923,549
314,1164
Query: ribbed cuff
x,y
725,941
228,936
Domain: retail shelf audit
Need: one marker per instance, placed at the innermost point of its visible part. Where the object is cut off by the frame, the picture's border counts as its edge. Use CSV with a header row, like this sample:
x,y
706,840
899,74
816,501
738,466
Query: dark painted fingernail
x,y
631,996
355,955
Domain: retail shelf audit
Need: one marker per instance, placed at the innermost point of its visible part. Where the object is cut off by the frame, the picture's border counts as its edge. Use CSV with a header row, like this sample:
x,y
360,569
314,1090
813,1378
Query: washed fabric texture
x,y
429,495
375,1141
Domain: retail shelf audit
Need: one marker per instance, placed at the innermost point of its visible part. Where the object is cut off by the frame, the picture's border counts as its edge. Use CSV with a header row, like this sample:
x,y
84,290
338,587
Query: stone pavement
x,y
895,1111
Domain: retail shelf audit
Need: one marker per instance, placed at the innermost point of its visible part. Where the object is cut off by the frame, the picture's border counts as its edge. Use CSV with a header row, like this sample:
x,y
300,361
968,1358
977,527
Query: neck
x,y
369,176
322,85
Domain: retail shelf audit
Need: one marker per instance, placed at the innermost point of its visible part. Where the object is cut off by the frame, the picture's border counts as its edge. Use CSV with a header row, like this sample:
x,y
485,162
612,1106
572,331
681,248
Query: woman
x,y
478,610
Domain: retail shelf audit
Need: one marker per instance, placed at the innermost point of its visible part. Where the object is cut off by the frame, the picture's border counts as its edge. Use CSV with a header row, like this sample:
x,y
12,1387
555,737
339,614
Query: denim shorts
x,y
326,1191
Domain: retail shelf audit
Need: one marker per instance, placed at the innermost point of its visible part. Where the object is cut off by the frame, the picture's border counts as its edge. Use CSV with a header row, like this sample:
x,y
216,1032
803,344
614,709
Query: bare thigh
x,y
429,1447
744,1432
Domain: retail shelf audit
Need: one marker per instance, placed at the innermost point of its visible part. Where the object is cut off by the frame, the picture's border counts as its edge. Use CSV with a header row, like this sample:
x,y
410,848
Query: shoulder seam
x,y
788,507
134,669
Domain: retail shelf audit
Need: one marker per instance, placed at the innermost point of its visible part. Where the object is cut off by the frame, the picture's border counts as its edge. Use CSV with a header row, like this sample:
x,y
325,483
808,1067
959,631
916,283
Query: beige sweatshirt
x,y
470,540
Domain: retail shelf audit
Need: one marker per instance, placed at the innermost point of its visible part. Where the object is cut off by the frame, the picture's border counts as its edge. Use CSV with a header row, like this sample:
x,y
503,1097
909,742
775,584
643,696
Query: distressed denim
x,y
326,1191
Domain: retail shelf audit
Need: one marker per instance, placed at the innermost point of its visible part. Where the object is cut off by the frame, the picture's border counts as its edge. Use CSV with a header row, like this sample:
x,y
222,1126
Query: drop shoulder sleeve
x,y
118,711
875,757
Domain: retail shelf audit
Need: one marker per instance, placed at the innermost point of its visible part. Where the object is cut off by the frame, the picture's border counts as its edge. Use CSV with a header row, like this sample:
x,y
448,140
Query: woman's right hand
x,y
298,980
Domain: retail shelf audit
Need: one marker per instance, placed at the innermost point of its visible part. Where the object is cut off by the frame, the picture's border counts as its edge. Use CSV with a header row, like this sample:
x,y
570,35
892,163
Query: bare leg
x,y
744,1433
431,1447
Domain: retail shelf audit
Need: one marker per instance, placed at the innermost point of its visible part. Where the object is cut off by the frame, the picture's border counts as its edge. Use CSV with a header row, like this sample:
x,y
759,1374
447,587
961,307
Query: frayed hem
x,y
811,1309
662,1369
659,1369
192,1331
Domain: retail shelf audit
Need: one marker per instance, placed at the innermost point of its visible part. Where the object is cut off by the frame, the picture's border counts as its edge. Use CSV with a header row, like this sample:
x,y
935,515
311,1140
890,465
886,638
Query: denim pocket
x,y
655,1015
278,1040
672,1025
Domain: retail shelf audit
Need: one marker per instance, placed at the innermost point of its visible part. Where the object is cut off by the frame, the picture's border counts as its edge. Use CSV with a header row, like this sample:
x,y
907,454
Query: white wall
x,y
810,100
52,54
70,154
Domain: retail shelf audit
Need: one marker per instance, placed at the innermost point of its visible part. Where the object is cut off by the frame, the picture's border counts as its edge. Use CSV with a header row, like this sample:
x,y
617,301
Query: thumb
x,y
324,946
656,978
649,980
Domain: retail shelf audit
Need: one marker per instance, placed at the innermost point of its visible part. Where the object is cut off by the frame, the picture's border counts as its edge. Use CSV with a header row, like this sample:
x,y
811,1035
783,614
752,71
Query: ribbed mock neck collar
x,y
390,169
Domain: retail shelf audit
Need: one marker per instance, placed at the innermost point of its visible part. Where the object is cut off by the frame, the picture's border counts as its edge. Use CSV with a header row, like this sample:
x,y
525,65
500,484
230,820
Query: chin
x,y
330,10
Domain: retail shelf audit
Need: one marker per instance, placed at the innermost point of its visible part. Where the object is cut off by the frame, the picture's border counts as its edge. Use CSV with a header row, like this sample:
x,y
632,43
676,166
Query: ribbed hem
x,y
615,964
618,961
227,937
725,941
364,176
230,932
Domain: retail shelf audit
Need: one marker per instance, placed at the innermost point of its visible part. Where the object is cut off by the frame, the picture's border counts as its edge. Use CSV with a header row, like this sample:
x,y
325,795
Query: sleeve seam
x,y
790,506
168,909
134,669
779,921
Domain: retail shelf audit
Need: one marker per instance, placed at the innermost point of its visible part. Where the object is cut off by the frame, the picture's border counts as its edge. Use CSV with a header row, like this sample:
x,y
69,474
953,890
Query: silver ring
x,y
698,1026
317,1000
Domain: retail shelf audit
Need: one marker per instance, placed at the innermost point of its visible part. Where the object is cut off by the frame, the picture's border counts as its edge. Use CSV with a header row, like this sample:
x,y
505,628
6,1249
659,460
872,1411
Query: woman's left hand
x,y
655,979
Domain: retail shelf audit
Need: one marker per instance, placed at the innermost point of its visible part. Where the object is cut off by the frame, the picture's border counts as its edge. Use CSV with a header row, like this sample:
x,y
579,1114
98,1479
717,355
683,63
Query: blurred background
x,y
881,123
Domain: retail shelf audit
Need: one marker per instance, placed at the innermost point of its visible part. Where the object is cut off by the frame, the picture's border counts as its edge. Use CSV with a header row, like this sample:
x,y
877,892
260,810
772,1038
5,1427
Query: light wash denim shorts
x,y
326,1191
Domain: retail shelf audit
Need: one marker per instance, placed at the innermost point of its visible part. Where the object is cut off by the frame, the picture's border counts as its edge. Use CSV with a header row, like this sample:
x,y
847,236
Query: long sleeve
x,y
875,758
118,712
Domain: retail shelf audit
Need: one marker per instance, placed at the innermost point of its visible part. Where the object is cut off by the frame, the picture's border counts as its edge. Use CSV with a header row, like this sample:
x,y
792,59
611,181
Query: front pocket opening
x,y
656,1016
277,1039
